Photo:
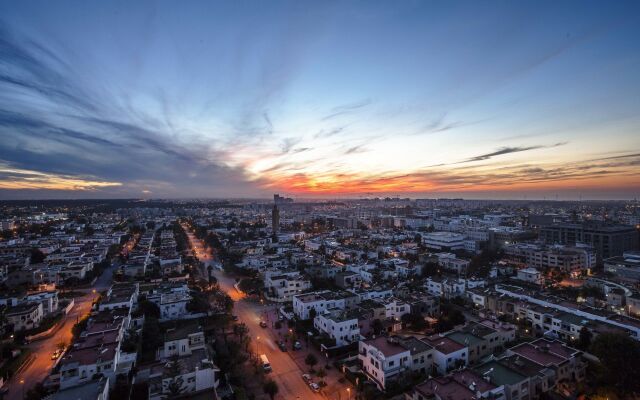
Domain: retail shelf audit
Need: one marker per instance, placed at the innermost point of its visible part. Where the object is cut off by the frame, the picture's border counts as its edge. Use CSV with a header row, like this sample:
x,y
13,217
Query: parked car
x,y
234,317
280,317
263,324
306,378
282,346
297,345
314,386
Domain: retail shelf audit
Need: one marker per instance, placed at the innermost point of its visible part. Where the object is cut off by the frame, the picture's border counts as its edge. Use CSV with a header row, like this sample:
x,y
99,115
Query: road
x,y
286,372
41,366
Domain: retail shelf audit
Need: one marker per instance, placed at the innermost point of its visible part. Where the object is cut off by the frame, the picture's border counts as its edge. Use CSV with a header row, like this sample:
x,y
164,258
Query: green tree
x,y
270,388
584,340
619,362
311,360
37,256
38,392
377,326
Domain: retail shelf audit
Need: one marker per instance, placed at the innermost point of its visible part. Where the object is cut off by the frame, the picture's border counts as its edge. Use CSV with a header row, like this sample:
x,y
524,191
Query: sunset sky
x,y
329,99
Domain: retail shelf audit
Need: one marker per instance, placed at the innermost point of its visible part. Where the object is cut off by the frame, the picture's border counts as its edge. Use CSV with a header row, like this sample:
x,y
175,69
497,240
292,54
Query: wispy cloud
x,y
508,150
347,109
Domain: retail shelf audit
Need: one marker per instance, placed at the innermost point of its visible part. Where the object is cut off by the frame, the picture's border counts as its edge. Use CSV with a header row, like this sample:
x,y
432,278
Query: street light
x,y
349,391
22,384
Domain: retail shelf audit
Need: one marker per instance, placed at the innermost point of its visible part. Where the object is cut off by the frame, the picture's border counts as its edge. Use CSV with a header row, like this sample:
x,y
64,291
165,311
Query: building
x,y
447,353
443,241
608,240
191,374
322,301
24,316
530,275
275,219
625,267
282,287
339,325
49,300
460,385
97,389
183,340
572,260
386,358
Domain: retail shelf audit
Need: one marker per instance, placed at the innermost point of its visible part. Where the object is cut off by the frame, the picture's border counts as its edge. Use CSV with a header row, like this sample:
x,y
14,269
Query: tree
x,y
415,321
584,340
619,362
321,374
312,314
270,388
149,309
377,326
37,392
240,330
37,256
174,371
311,360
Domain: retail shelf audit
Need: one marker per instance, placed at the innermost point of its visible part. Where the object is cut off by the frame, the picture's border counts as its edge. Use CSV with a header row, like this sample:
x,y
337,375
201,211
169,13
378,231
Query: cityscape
x,y
362,200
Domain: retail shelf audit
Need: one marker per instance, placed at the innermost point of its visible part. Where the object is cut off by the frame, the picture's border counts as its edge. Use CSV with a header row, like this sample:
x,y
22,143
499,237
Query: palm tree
x,y
270,387
321,374
174,370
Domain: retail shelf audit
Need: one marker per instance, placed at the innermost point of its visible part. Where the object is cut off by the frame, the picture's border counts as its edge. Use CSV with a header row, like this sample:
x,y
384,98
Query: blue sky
x,y
235,99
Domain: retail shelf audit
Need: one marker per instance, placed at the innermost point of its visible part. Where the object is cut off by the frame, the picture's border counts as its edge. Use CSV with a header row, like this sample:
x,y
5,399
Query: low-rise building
x,y
26,315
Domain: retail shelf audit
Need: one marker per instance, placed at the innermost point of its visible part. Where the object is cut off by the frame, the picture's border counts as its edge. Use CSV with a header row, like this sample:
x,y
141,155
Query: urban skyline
x,y
334,100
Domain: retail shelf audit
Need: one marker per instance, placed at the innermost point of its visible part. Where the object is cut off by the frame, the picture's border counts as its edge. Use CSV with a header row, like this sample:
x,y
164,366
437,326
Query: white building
x,y
319,301
530,275
25,316
447,353
338,324
444,241
384,359
197,374
183,340
282,287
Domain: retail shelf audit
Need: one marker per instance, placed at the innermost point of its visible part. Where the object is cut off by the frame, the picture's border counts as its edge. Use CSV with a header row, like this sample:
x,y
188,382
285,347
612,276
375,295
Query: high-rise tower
x,y
275,219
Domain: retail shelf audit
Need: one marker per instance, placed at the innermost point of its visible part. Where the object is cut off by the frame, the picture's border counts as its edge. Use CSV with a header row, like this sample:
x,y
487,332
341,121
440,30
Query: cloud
x,y
355,149
330,132
346,109
508,150
64,134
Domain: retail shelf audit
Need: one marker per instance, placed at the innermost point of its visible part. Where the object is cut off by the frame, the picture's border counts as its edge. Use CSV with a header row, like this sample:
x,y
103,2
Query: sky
x,y
474,99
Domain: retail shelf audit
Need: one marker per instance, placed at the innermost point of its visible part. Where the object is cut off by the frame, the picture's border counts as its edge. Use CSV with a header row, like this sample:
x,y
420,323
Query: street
x,y
286,372
39,369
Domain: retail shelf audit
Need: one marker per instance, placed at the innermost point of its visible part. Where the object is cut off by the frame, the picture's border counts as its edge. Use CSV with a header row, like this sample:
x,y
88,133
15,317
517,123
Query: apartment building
x,y
385,358
339,325
25,316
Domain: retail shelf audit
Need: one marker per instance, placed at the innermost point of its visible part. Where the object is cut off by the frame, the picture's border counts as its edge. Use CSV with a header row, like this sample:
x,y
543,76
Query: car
x,y
56,354
234,317
263,324
297,345
306,378
282,346
314,386
280,317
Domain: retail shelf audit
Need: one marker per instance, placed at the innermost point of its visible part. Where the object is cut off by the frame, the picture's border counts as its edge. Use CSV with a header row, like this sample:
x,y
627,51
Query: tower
x,y
275,219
